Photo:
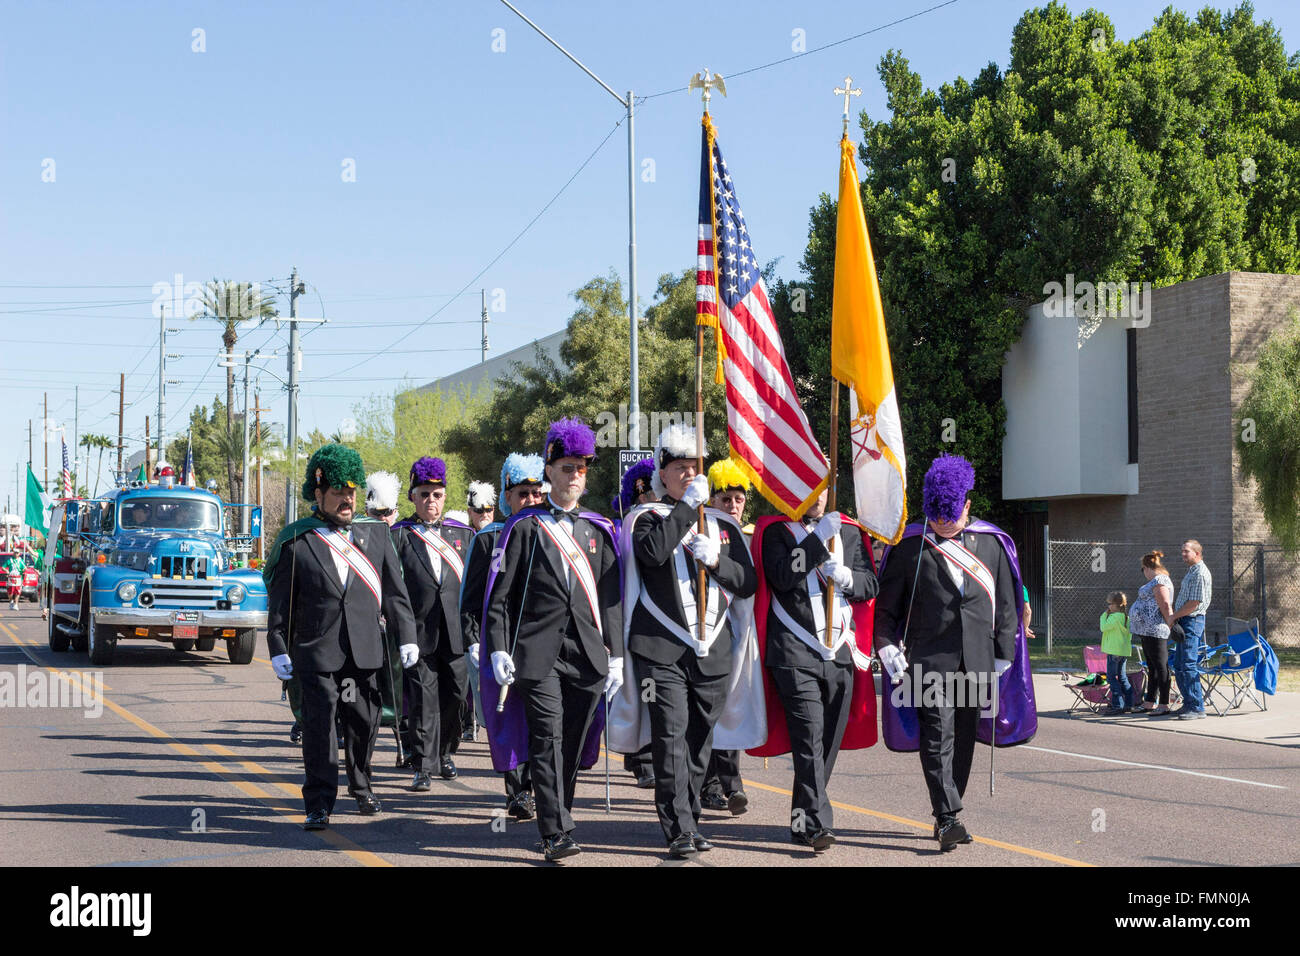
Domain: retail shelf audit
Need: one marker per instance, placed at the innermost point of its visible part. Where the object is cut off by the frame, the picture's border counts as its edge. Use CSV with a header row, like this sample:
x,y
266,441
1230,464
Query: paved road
x,y
185,739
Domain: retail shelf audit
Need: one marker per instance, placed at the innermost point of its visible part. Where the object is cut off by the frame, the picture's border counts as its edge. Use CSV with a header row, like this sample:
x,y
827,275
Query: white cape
x,y
743,723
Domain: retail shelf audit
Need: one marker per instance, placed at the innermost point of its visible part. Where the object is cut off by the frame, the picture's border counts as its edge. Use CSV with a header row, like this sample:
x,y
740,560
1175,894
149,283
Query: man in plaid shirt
x,y
1189,611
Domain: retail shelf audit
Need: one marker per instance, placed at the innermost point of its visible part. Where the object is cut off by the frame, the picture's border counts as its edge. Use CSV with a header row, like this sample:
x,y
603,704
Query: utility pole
x,y
483,352
121,412
29,443
148,472
76,418
257,431
45,441
162,378
290,502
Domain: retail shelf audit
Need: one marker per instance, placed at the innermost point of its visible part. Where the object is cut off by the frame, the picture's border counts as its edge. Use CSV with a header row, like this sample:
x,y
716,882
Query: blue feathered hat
x,y
569,438
949,481
638,480
518,470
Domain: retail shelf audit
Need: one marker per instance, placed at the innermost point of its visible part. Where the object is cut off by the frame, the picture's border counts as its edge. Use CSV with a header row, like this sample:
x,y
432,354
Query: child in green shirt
x,y
1117,645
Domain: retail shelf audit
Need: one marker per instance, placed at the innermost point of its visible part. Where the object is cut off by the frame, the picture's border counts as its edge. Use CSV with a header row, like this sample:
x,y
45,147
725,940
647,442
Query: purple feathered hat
x,y
427,471
638,480
949,481
569,438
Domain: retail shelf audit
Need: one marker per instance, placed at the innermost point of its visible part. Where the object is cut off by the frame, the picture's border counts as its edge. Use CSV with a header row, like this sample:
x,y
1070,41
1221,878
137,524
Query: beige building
x,y
1127,429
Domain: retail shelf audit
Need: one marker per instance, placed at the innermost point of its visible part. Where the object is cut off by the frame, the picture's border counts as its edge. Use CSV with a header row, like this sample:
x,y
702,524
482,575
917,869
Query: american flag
x,y
67,475
769,434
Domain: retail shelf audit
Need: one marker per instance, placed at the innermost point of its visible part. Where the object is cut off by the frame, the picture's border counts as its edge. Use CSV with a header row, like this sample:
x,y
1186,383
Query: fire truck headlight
x,y
126,590
235,593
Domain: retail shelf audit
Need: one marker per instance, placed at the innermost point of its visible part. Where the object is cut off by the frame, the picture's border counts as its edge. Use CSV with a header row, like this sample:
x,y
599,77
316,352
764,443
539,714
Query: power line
x,y
857,36
495,258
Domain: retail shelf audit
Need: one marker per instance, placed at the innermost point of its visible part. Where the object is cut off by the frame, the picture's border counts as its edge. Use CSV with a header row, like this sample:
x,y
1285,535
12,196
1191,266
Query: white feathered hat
x,y
481,495
675,442
382,489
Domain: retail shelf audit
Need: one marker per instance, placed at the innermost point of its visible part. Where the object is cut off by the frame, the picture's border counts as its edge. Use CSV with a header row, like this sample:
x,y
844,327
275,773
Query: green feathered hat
x,y
333,466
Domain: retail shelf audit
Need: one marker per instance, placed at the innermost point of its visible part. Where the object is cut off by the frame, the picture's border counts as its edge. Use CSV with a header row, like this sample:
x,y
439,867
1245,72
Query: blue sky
x,y
229,163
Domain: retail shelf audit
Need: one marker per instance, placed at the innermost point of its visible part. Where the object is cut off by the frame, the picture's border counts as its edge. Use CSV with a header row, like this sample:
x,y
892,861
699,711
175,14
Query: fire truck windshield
x,y
170,514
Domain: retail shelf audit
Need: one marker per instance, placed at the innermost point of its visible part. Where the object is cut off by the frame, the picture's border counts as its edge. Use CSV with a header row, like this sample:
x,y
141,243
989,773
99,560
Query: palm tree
x,y
231,303
103,443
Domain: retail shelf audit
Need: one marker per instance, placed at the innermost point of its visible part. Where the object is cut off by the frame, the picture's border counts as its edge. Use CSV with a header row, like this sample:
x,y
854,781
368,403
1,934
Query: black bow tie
x,y
435,525
561,513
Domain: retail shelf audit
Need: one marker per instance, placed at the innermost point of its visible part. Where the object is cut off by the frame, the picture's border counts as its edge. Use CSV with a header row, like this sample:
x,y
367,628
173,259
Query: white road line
x,y
1152,766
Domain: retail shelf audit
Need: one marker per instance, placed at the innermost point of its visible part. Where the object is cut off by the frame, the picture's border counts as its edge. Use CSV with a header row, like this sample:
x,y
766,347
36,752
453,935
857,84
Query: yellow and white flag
x,y
860,360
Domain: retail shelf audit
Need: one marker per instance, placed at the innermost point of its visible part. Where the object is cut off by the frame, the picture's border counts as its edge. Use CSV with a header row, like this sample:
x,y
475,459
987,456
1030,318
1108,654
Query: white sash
x,y
445,551
578,562
717,600
974,569
357,561
843,612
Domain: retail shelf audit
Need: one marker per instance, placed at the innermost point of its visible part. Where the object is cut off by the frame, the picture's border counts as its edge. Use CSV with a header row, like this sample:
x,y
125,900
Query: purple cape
x,y
507,731
1017,712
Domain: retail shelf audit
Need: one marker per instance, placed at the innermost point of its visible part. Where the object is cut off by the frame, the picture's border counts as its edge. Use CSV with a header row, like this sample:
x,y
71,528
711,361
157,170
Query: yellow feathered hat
x,y
726,474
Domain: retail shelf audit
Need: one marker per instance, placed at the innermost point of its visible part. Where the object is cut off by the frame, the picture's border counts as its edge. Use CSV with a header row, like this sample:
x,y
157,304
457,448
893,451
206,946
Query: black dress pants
x,y
685,706
436,687
559,709
816,700
947,749
723,772
354,695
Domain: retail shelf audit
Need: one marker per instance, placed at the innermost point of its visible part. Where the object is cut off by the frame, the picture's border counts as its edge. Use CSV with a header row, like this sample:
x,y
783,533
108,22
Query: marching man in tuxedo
x,y
815,679
521,487
687,671
554,629
432,551
328,581
949,598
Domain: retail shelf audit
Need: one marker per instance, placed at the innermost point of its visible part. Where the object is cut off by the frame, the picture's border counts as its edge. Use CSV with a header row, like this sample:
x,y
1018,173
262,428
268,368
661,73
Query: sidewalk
x,y
1278,726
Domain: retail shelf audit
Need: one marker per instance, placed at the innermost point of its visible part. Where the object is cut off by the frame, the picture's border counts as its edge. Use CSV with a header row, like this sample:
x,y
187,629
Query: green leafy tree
x,y
101,442
1160,159
1268,434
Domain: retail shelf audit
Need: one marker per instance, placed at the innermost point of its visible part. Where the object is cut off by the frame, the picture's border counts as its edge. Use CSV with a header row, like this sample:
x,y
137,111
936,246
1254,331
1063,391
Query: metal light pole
x,y
634,411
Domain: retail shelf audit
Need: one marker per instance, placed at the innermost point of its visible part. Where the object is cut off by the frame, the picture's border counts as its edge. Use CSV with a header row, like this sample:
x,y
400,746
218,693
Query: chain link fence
x,y
1249,581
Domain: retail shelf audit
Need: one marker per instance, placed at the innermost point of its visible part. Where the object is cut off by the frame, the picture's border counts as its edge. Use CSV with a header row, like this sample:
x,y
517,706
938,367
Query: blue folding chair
x,y
1228,671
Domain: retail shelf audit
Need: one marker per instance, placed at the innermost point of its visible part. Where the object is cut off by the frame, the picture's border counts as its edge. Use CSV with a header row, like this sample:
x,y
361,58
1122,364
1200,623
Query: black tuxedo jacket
x,y
949,630
789,587
545,608
321,623
476,575
435,603
654,541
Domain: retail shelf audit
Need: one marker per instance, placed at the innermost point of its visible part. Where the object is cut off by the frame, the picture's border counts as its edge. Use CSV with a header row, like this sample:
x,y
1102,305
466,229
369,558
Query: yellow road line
x,y
929,827
71,670
339,842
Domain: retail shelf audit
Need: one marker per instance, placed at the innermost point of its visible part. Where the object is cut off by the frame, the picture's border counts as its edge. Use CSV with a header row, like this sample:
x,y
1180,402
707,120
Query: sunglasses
x,y
571,469
383,512
435,493
480,511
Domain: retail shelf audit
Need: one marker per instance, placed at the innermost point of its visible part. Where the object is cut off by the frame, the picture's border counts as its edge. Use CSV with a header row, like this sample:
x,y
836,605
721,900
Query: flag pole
x,y
830,503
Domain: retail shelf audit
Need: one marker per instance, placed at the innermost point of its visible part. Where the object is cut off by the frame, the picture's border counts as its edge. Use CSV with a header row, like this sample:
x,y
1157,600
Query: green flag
x,y
37,502
142,475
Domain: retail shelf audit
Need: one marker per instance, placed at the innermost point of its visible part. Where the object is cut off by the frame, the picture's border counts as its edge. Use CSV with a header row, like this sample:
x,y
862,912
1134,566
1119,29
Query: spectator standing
x,y
1147,620
1189,611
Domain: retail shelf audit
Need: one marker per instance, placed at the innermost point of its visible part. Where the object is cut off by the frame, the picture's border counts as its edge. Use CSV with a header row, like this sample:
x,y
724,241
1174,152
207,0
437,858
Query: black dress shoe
x,y
448,769
421,781
713,800
560,847
316,820
968,838
701,845
820,840
646,781
295,733
682,847
951,834
404,762
737,802
522,807
368,805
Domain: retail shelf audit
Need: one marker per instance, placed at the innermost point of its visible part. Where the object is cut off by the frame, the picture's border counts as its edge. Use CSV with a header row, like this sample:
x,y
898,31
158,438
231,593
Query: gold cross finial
x,y
846,93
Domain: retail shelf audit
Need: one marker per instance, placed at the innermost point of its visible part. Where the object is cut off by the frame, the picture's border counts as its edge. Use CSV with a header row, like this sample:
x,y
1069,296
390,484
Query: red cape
x,y
861,730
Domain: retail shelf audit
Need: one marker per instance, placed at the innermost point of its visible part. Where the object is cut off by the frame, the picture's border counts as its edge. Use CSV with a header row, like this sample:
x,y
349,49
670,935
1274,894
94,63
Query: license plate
x,y
183,632
187,617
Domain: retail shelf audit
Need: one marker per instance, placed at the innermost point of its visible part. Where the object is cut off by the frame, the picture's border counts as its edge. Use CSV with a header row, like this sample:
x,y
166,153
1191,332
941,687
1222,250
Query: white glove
x,y
503,668
893,661
409,653
283,666
706,549
614,679
829,525
841,575
1001,665
697,492
473,654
